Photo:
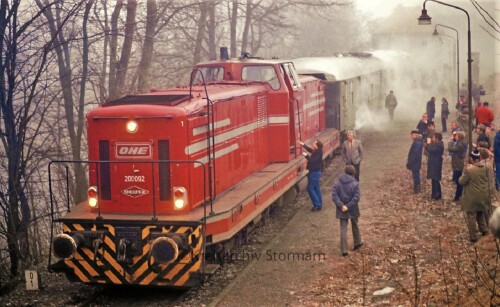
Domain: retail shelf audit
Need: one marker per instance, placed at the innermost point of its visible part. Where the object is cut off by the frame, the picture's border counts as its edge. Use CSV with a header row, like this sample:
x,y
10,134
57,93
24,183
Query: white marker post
x,y
32,280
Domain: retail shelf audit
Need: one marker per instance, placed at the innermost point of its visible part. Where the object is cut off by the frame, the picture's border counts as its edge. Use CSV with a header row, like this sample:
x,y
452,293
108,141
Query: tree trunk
x,y
212,48
64,63
122,67
233,25
202,23
246,28
103,95
113,53
144,85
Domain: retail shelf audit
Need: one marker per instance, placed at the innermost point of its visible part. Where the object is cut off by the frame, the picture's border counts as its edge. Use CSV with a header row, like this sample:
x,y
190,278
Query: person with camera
x,y
434,149
414,161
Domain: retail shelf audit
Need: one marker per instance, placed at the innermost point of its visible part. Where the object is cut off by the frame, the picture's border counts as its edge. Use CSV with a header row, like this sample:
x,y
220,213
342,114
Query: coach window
x,y
210,74
262,73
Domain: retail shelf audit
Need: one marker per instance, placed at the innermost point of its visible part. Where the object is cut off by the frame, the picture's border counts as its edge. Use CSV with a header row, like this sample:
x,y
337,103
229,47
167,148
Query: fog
x,y
425,65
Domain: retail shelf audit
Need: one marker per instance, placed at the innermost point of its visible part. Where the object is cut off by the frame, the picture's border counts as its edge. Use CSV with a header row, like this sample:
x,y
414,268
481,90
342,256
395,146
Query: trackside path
x,y
402,233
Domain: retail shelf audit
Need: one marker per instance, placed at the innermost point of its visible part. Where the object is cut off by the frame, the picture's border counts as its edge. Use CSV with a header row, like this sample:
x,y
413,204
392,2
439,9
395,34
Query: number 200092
x,y
135,179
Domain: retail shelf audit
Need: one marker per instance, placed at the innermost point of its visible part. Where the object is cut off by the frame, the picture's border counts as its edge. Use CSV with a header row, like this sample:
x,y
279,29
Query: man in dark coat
x,y
476,201
435,149
414,162
391,103
422,126
445,111
457,148
346,195
314,165
431,108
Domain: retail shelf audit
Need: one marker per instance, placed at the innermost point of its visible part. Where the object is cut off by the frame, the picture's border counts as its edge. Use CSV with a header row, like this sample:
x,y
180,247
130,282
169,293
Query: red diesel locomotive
x,y
177,173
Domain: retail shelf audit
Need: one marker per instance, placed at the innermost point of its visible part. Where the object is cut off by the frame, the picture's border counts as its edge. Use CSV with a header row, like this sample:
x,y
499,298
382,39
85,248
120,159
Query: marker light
x,y
180,197
132,126
92,195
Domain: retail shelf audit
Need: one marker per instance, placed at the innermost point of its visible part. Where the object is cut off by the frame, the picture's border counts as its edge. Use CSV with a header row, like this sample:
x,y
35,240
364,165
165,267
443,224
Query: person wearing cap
x,y
434,150
476,201
414,161
390,104
484,115
480,136
457,147
345,196
431,108
314,165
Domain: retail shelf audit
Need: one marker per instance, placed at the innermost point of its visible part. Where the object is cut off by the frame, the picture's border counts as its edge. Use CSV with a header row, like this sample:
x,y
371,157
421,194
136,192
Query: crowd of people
x,y
475,172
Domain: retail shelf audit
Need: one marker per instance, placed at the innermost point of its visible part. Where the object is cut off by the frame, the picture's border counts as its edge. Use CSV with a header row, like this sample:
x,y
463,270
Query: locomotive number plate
x,y
134,178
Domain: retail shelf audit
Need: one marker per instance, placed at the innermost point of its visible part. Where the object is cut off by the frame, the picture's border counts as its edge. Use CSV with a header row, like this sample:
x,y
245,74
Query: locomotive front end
x,y
137,226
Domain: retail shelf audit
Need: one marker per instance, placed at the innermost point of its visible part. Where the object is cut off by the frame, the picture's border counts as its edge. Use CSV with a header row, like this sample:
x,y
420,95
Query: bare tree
x,y
22,67
202,24
232,27
62,49
119,67
143,85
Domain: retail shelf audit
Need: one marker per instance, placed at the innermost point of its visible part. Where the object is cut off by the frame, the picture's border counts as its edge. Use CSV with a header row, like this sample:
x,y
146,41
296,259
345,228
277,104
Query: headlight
x,y
180,197
92,196
132,126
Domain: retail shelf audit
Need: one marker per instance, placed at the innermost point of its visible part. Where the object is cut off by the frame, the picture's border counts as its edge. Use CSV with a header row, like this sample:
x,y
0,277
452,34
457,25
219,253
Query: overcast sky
x,y
383,8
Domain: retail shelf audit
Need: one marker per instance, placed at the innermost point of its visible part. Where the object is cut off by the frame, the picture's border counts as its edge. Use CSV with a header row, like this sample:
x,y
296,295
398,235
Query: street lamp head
x,y
424,19
435,33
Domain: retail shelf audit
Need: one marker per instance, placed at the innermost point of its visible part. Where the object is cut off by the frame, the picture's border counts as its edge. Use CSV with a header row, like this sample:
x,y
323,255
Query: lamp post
x,y
458,55
425,19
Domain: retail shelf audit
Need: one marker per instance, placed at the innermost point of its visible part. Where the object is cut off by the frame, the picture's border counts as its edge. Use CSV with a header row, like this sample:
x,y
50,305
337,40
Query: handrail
x,y
99,217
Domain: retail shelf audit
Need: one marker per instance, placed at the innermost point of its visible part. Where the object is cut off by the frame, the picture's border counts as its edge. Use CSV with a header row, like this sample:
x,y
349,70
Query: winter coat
x,y
391,101
414,162
435,162
346,193
444,110
484,116
476,195
496,147
463,123
457,151
355,155
423,129
431,108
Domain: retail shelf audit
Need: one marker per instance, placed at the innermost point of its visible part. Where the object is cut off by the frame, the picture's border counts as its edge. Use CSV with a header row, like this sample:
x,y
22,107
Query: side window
x,y
264,73
292,75
210,74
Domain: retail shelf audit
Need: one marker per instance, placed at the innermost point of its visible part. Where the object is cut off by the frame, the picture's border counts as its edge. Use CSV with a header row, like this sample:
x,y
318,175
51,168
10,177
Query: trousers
x,y
343,233
314,188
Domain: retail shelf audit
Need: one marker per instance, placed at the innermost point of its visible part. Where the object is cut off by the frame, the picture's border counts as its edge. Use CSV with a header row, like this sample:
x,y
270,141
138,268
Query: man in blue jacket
x,y
346,196
314,165
414,162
